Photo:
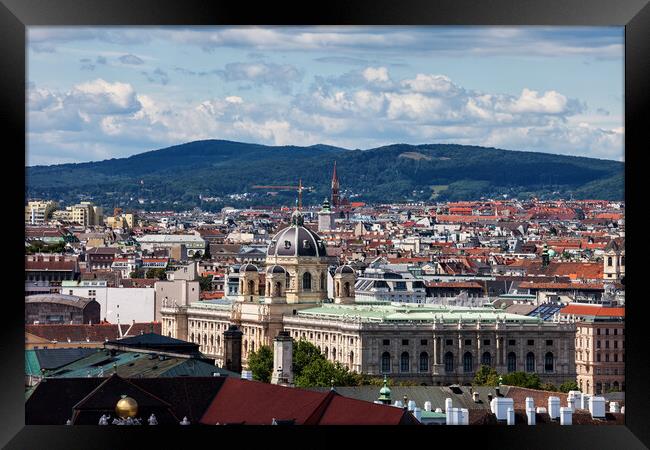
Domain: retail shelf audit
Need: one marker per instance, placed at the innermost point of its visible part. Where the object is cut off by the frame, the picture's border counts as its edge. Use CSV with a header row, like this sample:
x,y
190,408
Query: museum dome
x,y
296,240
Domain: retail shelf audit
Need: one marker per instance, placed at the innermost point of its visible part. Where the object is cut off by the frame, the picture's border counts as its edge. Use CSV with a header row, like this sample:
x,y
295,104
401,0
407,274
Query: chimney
x,y
554,407
475,396
510,419
427,406
597,407
566,416
232,348
614,407
530,413
282,359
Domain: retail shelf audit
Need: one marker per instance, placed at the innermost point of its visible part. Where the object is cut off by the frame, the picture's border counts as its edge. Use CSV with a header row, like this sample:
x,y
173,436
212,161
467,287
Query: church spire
x,y
335,189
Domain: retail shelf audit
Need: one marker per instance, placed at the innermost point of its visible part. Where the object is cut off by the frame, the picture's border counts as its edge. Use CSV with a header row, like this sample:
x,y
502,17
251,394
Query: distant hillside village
x,y
456,313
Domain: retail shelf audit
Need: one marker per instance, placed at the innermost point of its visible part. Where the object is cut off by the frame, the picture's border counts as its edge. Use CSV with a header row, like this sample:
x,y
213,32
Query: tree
x,y
156,273
486,376
570,385
304,353
205,283
137,273
522,379
548,387
260,362
323,373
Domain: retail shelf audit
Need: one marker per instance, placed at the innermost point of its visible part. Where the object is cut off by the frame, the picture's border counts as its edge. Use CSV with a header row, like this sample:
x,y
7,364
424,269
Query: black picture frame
x,y
16,15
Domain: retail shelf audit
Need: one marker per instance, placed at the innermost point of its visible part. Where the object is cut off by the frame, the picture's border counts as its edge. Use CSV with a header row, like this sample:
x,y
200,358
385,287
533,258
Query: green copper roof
x,y
426,313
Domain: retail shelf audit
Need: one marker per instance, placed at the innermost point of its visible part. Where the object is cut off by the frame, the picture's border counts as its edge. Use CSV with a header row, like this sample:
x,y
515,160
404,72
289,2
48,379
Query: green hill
x,y
175,177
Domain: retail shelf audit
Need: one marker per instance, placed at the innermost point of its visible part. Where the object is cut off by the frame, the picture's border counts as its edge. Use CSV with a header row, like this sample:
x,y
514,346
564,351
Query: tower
x,y
325,217
249,278
282,359
344,285
232,338
336,200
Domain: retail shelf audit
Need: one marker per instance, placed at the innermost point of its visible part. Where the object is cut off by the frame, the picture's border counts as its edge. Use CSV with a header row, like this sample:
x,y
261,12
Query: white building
x,y
193,243
117,304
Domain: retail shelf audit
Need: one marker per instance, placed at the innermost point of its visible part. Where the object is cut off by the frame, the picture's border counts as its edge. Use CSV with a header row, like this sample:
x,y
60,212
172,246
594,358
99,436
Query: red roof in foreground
x,y
587,310
255,403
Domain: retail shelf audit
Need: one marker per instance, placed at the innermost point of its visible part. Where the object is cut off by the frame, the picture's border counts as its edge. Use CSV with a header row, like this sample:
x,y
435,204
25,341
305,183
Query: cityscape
x,y
471,280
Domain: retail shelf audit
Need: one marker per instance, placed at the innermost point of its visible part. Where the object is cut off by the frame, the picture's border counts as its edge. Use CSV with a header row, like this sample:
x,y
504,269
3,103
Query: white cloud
x,y
374,74
529,101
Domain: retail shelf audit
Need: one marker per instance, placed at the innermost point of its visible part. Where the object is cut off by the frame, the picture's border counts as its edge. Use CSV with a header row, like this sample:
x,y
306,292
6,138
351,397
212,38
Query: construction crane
x,y
298,188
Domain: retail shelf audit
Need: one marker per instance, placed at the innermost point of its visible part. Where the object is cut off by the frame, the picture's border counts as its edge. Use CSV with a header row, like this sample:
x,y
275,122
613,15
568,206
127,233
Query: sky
x,y
110,92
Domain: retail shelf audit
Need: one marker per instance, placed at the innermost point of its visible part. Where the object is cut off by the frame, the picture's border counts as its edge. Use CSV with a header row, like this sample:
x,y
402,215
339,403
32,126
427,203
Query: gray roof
x,y
460,396
296,240
71,300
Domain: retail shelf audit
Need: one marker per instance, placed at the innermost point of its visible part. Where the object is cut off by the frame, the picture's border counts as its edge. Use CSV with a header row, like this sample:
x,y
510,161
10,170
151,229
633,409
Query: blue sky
x,y
110,92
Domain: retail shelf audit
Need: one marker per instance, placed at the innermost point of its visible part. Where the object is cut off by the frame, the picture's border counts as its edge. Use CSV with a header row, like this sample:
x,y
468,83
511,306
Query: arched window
x,y
385,362
245,346
306,281
334,353
351,359
468,363
252,346
599,388
327,353
322,281
278,289
287,280
192,337
424,362
449,362
530,362
404,363
512,362
486,359
211,341
338,289
346,289
548,362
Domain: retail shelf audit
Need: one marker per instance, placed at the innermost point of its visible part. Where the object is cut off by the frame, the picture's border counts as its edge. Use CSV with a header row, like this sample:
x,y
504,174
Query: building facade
x,y
430,344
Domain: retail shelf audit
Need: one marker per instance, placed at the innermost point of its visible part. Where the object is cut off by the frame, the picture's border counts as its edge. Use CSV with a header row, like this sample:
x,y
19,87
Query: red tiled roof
x,y
94,333
587,310
254,403
562,286
455,284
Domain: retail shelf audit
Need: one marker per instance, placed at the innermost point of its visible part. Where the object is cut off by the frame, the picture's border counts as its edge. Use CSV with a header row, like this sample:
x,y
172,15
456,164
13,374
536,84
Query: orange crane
x,y
298,188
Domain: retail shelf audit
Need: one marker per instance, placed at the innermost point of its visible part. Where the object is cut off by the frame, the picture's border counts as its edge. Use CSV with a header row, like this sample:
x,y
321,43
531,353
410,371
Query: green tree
x,y
156,273
137,273
205,283
322,373
486,376
522,379
548,387
570,385
260,362
304,353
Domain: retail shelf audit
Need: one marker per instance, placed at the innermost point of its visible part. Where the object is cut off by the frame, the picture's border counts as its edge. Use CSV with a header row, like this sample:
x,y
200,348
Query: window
x,y
512,362
615,331
423,342
306,281
486,342
468,363
606,357
424,362
531,342
548,362
530,362
386,341
607,331
468,342
609,261
597,357
385,362
598,331
405,342
449,342
511,342
615,344
615,357
449,362
598,344
404,363
606,344
486,359
549,342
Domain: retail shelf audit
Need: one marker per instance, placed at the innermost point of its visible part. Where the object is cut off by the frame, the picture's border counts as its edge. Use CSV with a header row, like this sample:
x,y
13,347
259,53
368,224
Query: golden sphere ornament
x,y
126,407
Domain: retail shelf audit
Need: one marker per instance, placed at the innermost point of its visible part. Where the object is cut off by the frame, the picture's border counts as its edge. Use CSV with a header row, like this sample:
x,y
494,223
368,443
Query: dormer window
x,y
305,243
287,244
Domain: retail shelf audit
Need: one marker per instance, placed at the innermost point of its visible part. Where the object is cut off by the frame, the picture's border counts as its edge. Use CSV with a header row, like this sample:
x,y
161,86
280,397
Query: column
x,y
498,355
